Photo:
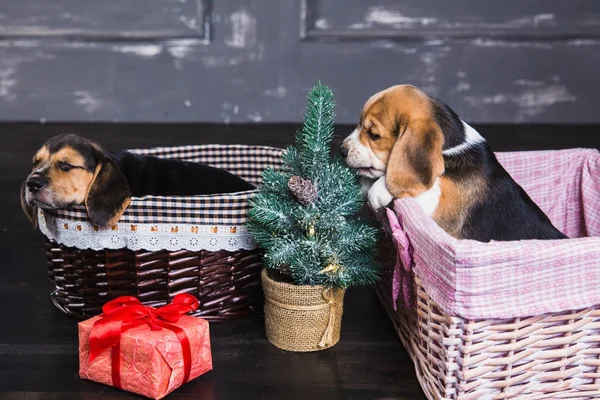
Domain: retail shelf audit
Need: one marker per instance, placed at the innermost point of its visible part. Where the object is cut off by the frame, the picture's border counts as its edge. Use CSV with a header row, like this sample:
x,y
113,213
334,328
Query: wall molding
x,y
202,34
310,32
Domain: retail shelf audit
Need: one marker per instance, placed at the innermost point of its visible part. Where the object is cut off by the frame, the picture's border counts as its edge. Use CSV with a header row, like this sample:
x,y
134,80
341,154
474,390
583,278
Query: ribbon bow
x,y
126,312
402,277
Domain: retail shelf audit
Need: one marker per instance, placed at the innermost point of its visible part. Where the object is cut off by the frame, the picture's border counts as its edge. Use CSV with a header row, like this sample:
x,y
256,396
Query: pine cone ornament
x,y
303,189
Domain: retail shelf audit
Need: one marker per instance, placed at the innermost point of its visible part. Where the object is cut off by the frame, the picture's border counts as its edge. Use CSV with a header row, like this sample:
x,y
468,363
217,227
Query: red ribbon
x,y
126,312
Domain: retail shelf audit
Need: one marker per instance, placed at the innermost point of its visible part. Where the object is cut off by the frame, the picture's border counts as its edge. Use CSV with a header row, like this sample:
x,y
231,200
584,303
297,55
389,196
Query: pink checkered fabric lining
x,y
478,280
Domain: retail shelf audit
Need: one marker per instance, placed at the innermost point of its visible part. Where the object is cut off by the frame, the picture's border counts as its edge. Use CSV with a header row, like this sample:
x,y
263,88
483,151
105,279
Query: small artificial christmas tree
x,y
301,213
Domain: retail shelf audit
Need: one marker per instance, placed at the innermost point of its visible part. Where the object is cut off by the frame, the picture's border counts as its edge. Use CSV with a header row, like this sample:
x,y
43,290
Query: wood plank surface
x,y
38,345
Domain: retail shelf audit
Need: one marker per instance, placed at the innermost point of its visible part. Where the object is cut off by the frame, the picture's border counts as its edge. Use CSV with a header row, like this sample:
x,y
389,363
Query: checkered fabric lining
x,y
247,162
477,280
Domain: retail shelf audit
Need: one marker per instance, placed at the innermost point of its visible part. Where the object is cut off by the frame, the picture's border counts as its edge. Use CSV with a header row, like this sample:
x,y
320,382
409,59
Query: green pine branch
x,y
317,243
314,141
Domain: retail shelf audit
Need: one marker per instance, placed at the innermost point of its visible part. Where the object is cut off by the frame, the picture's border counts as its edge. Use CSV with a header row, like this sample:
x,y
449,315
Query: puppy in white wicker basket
x,y
408,144
71,170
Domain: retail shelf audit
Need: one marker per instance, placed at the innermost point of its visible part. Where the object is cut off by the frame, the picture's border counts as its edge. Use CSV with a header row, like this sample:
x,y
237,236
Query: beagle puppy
x,y
71,170
408,144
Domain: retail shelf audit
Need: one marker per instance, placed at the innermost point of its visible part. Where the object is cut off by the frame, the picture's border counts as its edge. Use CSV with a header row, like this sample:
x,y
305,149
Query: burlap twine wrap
x,y
302,318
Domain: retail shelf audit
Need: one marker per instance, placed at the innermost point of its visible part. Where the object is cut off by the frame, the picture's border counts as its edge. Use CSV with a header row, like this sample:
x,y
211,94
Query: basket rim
x,y
158,151
245,161
196,222
475,280
265,274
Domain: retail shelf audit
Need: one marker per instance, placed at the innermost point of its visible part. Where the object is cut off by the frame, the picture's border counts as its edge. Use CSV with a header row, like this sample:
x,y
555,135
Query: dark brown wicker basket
x,y
226,282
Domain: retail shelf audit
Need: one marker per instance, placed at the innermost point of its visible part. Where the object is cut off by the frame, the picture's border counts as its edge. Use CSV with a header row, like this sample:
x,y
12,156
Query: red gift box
x,y
145,350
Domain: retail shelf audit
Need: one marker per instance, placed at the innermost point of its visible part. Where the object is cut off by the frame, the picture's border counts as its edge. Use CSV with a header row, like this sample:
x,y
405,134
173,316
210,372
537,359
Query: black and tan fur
x,y
71,170
401,141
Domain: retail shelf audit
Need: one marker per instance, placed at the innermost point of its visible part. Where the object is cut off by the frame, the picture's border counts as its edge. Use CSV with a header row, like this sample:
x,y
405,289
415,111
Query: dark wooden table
x,y
38,345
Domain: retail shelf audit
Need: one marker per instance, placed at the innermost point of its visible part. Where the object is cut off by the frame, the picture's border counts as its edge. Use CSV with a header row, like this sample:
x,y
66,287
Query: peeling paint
x,y
358,26
227,109
257,55
499,98
87,101
537,19
232,60
536,101
279,92
462,87
583,42
19,43
511,44
81,45
544,97
431,63
243,30
530,102
428,58
383,44
381,16
434,42
393,46
180,49
321,23
9,66
141,50
191,23
533,20
235,60
213,61
255,117
527,82
7,82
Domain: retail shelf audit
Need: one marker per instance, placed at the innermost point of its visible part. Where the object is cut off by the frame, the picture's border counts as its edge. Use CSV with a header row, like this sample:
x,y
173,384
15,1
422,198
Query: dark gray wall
x,y
255,60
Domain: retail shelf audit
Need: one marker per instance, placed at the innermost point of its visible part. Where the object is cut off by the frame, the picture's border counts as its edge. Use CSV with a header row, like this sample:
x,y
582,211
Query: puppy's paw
x,y
379,196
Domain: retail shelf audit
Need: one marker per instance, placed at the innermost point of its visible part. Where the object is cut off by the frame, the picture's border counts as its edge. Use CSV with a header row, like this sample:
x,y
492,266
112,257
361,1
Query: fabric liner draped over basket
x,y
163,246
504,320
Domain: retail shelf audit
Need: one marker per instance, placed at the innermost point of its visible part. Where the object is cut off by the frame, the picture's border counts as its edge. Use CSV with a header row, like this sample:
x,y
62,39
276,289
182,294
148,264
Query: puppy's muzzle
x,y
36,183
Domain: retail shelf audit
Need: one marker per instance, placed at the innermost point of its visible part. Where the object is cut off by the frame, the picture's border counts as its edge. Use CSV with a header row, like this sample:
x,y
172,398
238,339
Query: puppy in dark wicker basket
x,y
71,170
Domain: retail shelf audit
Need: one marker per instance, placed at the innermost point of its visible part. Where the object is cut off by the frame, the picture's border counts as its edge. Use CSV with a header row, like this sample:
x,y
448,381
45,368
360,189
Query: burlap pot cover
x,y
302,318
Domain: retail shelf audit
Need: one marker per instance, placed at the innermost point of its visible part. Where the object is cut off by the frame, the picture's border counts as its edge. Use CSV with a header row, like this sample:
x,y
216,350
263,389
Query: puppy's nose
x,y
36,183
343,151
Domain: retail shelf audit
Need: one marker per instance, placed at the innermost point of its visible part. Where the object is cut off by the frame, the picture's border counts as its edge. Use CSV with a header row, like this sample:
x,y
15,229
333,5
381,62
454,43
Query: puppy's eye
x,y
65,167
373,135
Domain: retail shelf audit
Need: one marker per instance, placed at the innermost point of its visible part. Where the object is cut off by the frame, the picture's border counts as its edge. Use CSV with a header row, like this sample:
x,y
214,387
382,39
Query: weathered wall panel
x,y
83,19
254,61
514,19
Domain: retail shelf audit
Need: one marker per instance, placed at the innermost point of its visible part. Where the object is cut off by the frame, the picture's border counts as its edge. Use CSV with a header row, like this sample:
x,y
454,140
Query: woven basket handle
x,y
402,277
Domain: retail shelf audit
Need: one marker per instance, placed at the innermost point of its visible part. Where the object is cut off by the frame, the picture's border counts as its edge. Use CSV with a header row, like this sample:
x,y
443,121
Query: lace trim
x,y
143,236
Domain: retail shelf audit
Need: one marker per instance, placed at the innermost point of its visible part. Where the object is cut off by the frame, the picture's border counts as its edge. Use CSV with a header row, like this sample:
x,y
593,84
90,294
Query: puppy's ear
x,y
108,194
30,211
416,160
